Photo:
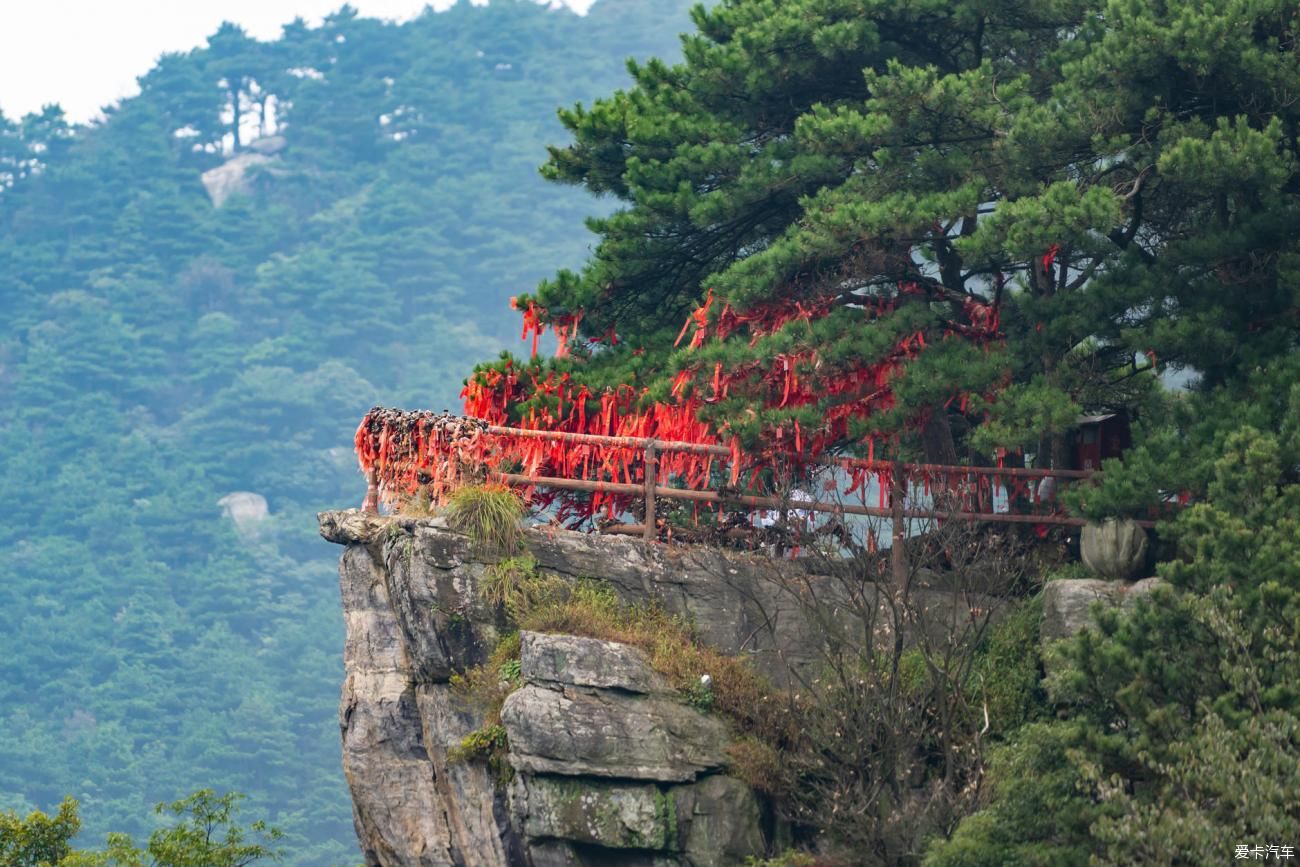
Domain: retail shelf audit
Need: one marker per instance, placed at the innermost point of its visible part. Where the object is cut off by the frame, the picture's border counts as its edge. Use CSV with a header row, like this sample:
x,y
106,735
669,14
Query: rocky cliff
x,y
610,764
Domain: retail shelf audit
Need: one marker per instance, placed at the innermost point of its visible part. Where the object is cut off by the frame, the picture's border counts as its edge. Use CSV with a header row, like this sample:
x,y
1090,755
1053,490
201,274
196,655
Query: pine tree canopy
x,y
960,223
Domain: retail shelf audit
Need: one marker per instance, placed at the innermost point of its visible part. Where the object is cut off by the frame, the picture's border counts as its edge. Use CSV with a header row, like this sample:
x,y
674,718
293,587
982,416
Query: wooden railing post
x,y
897,552
651,532
370,504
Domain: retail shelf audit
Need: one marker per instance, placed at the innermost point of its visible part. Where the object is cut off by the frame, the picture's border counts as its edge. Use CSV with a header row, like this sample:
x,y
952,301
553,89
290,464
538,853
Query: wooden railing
x,y
978,479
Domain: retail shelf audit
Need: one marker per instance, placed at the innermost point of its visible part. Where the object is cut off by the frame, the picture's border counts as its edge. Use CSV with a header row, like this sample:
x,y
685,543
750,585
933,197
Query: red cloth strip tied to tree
x,y
570,407
409,450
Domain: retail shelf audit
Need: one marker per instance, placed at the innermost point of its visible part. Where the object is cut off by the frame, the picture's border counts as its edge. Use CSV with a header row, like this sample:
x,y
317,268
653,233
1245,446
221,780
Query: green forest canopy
x,y
158,353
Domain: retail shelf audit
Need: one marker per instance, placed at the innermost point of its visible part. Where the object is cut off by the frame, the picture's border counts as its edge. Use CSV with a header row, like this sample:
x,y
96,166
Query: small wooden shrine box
x,y
1098,437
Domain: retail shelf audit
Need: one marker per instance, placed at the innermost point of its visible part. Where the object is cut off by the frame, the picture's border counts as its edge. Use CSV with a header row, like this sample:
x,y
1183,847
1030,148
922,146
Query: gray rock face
x,y
604,733
1067,605
593,718
573,661
596,708
411,807
394,800
611,815
710,823
719,821
739,603
591,714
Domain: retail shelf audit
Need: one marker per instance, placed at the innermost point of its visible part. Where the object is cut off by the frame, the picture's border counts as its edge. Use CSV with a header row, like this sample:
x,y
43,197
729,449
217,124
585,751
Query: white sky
x,y
85,54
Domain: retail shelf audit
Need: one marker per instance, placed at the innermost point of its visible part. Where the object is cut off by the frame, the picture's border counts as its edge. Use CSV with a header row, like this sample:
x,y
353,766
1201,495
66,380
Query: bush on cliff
x,y
489,514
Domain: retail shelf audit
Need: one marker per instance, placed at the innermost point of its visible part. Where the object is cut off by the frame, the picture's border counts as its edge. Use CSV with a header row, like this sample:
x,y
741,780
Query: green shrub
x,y
1183,735
490,515
1006,674
1036,815
503,579
488,744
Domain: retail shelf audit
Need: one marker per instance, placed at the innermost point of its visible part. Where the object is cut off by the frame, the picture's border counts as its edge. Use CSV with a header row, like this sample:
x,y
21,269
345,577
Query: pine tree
x,y
962,222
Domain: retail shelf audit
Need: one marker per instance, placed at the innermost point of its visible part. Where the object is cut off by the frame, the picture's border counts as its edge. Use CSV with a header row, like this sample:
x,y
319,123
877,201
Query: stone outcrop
x,y
715,821
608,756
411,806
567,660
616,731
611,765
1068,604
232,176
246,509
596,708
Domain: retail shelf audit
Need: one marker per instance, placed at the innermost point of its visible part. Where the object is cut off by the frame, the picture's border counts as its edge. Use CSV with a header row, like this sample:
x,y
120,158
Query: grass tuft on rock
x,y
490,515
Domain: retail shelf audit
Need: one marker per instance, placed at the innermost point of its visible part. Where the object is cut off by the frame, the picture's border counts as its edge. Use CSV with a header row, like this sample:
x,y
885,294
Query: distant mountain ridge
x,y
158,354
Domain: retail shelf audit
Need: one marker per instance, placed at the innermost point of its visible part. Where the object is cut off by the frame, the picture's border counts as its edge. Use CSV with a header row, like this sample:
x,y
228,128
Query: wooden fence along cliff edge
x,y
400,452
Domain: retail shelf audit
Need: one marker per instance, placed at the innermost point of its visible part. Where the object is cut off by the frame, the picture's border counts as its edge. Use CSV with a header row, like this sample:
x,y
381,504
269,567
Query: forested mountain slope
x,y
158,353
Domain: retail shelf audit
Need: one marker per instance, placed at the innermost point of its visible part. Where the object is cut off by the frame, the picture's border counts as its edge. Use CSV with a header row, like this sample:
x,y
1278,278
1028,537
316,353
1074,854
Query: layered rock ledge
x,y
611,766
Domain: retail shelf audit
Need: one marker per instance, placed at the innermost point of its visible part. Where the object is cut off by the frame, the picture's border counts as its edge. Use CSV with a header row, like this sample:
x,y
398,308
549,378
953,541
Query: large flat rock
x,y
606,814
575,731
568,660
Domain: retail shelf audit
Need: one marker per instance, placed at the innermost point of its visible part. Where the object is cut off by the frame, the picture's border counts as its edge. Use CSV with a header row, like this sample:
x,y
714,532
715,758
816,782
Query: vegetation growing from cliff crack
x,y
541,603
490,515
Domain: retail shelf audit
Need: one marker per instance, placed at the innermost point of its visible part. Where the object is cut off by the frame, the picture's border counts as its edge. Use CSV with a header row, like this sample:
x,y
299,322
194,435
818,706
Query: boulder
x,y
606,733
567,660
1114,549
610,815
1067,604
714,822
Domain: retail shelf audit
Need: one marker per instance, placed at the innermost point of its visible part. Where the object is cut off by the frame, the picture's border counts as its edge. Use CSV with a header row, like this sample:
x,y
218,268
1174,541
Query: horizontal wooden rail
x,y
623,442
757,502
825,460
650,491
958,469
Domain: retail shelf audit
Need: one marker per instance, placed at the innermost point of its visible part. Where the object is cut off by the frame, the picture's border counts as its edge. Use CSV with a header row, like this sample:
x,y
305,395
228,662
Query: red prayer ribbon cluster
x,y
408,450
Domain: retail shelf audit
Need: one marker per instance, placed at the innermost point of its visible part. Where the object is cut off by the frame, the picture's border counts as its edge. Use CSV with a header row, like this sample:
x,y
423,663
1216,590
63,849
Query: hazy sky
x,y
84,54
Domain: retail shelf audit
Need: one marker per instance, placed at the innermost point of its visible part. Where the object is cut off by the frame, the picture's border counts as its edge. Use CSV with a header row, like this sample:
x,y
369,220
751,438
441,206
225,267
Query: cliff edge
x,y
610,765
